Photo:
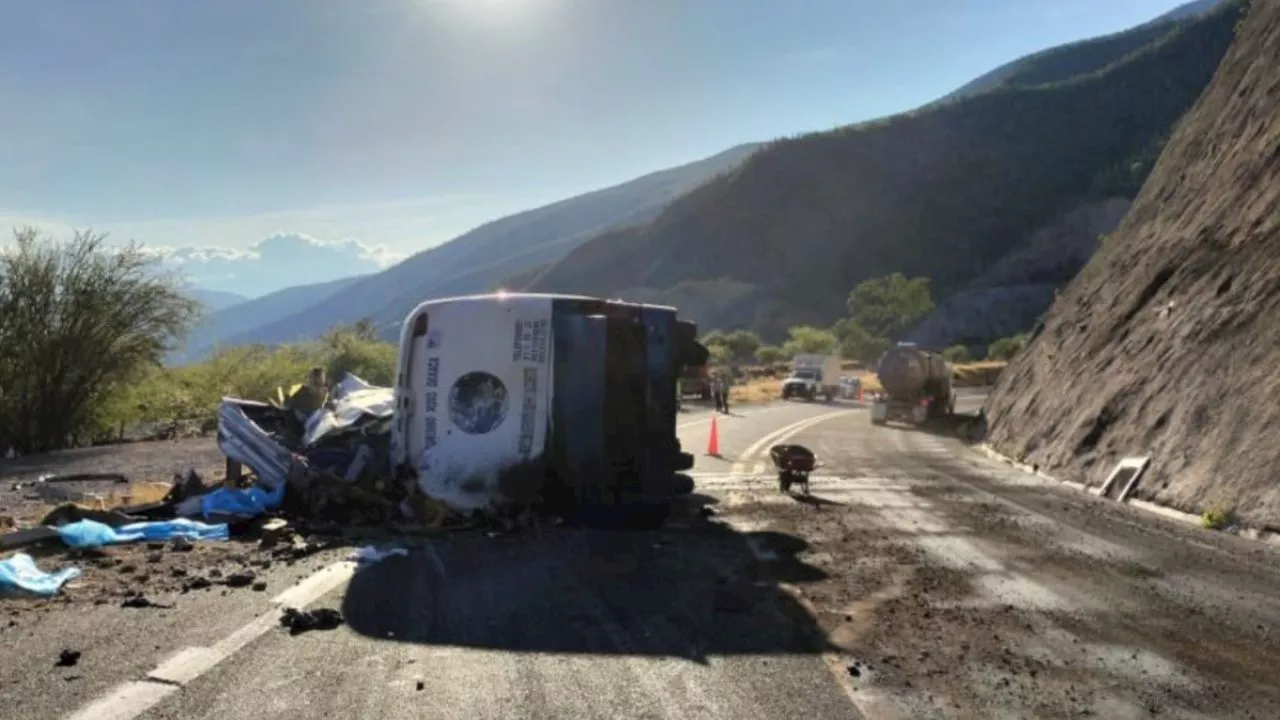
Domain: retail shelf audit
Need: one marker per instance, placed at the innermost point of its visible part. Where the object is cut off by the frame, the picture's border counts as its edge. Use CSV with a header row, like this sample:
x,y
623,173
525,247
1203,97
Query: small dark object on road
x,y
138,601
181,544
240,579
197,583
854,670
794,463
421,685
260,586
300,621
68,658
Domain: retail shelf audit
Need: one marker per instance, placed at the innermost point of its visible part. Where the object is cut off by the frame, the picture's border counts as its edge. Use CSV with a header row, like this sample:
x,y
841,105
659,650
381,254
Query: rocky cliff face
x,y
1009,297
1168,342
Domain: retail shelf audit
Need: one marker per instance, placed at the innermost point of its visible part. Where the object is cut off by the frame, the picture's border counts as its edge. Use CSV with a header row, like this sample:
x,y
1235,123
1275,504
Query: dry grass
x,y
979,374
138,493
758,390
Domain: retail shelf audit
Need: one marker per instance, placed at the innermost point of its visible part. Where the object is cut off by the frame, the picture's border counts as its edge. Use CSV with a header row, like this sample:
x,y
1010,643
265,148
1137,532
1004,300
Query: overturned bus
x,y
563,402
506,397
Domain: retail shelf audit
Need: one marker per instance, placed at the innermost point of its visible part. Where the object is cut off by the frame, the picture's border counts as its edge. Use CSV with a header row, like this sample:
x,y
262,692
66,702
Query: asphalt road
x,y
956,587
919,580
685,622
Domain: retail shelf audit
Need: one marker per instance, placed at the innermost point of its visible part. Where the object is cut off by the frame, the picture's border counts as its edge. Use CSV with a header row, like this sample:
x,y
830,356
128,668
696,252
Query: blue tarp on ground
x,y
90,533
20,573
247,503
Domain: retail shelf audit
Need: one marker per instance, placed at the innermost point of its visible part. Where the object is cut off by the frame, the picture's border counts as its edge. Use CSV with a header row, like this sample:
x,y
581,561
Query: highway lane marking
x,y
132,698
748,456
871,703
753,413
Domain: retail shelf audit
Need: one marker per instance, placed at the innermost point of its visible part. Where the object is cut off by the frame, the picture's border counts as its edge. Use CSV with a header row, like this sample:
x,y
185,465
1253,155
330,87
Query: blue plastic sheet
x,y
20,573
90,533
247,503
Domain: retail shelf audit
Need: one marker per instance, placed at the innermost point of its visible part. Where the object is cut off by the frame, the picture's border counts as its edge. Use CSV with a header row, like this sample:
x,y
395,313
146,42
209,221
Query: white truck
x,y
813,375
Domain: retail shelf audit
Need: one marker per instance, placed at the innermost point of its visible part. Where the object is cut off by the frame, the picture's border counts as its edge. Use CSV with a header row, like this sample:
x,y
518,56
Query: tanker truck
x,y
917,386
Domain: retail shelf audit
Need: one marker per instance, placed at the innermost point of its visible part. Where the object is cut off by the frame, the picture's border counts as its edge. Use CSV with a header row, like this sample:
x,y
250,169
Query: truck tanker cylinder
x,y
906,371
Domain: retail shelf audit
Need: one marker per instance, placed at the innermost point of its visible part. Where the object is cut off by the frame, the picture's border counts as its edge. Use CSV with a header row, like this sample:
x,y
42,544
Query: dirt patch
x,y
959,605
143,463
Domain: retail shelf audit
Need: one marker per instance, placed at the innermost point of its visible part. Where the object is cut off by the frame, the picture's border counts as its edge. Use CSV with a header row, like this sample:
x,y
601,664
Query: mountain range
x,y
773,234
477,261
945,192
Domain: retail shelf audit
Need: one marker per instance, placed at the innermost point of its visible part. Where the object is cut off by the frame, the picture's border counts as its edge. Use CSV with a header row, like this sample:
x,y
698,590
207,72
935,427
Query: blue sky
x,y
402,123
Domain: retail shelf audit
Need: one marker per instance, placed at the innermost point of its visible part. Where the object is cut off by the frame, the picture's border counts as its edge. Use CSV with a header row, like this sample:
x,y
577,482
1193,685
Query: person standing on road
x,y
726,382
717,393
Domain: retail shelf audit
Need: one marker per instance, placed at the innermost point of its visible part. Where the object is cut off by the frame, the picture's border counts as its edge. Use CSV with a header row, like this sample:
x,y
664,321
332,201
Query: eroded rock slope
x,y
1168,343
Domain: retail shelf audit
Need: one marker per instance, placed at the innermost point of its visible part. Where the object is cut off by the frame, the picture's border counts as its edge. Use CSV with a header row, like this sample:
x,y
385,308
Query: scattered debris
x,y
30,536
90,533
300,621
197,583
83,477
370,554
273,530
20,573
240,579
68,658
138,601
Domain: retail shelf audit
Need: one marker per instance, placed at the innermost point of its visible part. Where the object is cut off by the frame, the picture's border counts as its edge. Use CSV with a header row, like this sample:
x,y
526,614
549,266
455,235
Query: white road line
x,y
753,413
871,703
132,698
126,701
741,466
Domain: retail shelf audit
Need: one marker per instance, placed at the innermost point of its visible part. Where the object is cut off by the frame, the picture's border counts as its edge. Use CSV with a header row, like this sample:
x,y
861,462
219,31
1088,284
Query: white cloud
x,y
276,262
298,245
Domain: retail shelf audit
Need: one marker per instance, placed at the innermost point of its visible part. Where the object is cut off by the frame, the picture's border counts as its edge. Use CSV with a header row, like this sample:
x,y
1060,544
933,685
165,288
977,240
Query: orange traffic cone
x,y
713,443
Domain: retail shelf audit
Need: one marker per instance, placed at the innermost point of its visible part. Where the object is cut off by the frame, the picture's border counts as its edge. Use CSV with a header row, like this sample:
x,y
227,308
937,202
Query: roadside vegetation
x,y
84,326
880,311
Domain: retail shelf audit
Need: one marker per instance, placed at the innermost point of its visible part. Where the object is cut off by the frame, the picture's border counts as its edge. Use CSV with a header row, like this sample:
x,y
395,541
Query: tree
x,y
957,354
856,343
364,329
1006,348
888,306
742,345
809,339
714,338
355,348
770,355
78,321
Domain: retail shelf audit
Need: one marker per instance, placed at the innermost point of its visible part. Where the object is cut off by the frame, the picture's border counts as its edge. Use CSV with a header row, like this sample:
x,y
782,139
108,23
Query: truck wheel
x,y
828,396
681,484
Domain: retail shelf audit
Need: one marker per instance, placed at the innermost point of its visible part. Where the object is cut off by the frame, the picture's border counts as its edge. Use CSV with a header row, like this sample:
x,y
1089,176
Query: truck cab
x,y
812,375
